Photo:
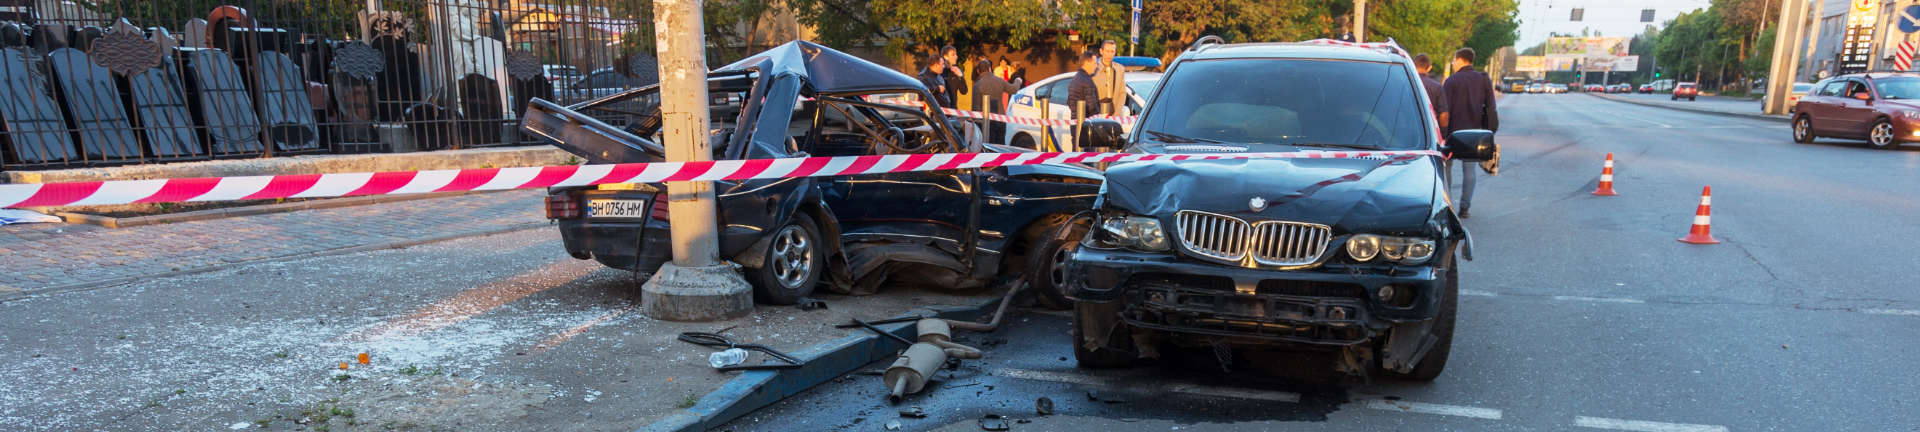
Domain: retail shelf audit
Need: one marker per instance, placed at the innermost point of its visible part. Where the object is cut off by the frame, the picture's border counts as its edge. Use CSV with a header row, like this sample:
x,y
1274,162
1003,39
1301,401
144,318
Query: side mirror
x,y
1862,96
1100,135
1471,144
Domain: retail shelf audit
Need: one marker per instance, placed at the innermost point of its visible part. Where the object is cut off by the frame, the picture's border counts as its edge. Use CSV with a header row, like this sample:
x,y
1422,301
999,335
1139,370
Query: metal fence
x,y
110,82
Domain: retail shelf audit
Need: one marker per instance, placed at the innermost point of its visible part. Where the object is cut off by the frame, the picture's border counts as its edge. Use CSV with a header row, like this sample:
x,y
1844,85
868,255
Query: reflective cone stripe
x,y
1606,178
1702,232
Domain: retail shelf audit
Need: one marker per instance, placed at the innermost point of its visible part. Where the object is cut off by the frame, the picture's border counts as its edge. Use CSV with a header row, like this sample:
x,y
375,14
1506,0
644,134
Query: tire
x,y
1881,135
1803,129
1117,353
1022,140
1046,264
790,268
1692,98
1436,359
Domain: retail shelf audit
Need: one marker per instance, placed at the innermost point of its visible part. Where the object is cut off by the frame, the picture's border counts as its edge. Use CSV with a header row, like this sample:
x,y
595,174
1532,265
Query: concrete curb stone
x,y
1693,110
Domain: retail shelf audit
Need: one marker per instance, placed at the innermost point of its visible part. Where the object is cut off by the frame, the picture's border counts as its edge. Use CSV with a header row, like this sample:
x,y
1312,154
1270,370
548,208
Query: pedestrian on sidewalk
x,y
1470,105
1345,33
1436,97
934,77
1111,79
989,96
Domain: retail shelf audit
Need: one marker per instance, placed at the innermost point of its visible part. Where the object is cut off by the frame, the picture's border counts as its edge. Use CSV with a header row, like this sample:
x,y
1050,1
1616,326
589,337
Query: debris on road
x,y
913,412
1043,406
893,425
729,357
811,304
910,372
994,422
716,340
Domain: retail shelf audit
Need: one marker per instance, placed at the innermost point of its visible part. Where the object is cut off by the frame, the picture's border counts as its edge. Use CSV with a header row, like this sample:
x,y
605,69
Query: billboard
x,y
1530,64
1614,64
1586,47
1560,64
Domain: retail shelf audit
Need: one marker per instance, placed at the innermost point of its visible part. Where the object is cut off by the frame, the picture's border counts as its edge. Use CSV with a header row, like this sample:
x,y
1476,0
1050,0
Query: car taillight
x,y
659,212
562,206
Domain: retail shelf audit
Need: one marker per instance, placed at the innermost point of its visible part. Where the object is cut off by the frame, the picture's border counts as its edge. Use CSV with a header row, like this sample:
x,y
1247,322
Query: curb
x,y
753,390
1692,110
85,286
252,210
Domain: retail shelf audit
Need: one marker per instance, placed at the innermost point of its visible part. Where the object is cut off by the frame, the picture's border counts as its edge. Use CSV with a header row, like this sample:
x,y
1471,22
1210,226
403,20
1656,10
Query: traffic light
x,y
1656,74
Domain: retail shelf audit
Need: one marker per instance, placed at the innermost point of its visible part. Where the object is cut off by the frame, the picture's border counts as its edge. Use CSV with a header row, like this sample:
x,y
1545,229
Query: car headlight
x,y
1403,250
1132,232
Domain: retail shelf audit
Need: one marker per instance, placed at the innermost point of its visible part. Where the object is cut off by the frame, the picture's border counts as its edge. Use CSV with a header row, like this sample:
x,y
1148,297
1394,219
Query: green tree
x,y
1438,27
1177,24
918,27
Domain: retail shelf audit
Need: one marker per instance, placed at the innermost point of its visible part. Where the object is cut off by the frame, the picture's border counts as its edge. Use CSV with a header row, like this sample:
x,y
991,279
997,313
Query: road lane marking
x,y
1436,409
557,339
1906,312
1191,389
1642,426
1598,299
1479,293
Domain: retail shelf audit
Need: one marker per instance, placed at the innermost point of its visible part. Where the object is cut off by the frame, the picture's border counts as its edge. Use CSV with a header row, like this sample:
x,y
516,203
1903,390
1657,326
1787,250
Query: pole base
x,y
713,293
1699,239
1605,191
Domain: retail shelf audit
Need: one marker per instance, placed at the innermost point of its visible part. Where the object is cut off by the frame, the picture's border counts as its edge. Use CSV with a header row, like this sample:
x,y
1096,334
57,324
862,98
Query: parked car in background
x,y
1536,88
1799,90
1350,260
1025,103
1662,86
961,228
1646,89
1687,90
1882,108
1593,88
1556,88
560,76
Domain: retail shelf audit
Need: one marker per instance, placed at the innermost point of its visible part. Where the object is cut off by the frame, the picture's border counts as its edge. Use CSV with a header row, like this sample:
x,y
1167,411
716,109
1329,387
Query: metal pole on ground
x,y
696,285
1780,74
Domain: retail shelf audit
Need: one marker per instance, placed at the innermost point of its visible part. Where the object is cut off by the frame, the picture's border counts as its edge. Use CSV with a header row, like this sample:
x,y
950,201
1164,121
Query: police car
x,y
1025,103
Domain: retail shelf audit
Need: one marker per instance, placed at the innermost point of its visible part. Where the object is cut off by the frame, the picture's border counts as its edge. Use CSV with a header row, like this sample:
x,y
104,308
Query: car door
x,y
1819,105
931,208
1853,115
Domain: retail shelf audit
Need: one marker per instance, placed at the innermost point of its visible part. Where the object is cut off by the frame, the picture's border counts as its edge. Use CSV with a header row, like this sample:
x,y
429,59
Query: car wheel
x,y
1692,98
1117,352
1803,129
1436,359
1046,264
792,263
1024,141
1881,136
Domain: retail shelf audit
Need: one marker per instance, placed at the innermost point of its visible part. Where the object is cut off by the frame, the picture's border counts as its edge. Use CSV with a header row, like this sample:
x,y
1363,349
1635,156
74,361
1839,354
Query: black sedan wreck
x,y
954,229
1349,257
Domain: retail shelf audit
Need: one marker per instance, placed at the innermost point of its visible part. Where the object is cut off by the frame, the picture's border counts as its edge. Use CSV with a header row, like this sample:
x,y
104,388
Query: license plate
x,y
616,208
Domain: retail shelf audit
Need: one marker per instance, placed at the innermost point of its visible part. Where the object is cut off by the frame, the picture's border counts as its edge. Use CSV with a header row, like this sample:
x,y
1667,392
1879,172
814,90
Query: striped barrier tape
x,y
204,189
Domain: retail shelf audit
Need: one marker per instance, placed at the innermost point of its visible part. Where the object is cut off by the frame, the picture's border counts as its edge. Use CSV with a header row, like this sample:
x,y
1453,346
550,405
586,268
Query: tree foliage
x,y
1177,24
1438,27
1726,43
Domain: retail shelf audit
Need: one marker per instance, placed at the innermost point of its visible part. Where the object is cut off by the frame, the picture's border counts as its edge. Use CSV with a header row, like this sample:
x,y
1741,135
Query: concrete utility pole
x,y
1781,73
1359,20
696,286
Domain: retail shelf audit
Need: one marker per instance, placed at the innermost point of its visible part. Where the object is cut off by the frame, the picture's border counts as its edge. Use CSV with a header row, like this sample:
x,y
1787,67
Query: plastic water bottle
x,y
730,357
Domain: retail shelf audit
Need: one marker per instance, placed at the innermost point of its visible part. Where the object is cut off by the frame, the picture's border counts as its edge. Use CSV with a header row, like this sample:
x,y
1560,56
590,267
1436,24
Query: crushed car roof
x,y
829,70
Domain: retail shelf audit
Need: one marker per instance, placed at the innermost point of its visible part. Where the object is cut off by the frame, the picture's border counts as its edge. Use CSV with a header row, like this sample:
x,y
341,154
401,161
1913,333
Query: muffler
x,y
909,373
939,333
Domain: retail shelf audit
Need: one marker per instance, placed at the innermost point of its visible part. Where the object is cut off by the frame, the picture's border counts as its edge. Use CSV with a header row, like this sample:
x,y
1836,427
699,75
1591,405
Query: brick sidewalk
x,y
42,256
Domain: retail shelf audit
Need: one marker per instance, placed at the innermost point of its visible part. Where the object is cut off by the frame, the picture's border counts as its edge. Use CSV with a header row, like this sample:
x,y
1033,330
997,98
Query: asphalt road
x,y
1581,312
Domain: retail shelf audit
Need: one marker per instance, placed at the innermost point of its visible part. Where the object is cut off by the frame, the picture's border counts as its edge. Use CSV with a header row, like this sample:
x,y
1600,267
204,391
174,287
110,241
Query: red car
x,y
1595,88
1882,108
1685,90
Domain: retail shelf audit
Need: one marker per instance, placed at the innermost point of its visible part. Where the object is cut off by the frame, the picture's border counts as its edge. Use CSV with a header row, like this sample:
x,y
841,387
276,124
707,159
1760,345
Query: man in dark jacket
x,y
934,77
1082,92
1470,105
989,95
953,76
1436,96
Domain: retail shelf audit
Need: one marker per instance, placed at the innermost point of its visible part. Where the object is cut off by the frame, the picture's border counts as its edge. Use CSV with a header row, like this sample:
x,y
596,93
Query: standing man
x,y
954,77
1082,91
989,95
934,77
1436,97
1111,79
1470,105
1345,34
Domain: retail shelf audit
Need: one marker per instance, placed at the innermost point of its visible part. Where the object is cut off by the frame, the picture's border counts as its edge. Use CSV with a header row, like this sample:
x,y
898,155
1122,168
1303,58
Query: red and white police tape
x,y
412,182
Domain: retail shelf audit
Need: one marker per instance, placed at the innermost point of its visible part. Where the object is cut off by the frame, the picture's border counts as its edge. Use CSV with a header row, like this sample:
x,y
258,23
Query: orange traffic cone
x,y
1606,179
1702,232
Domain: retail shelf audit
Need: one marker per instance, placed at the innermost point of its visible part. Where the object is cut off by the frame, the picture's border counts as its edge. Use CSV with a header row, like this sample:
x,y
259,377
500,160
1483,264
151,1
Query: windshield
x,y
1298,102
1898,88
1802,87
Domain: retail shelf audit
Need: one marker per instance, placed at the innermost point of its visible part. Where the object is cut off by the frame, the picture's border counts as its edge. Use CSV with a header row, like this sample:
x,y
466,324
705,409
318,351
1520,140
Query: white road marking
x,y
1599,299
1234,393
1479,293
1192,389
1907,312
1436,409
1642,426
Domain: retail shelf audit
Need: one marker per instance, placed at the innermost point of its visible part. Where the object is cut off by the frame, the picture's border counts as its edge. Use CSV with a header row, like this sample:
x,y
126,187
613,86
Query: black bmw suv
x,y
1352,257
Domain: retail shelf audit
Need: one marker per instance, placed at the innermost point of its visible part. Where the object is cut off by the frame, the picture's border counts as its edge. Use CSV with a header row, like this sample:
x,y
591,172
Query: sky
x,y
1538,18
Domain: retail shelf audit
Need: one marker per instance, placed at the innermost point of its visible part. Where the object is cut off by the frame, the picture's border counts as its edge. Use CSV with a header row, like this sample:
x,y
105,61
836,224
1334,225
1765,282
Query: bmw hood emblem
x,y
1257,204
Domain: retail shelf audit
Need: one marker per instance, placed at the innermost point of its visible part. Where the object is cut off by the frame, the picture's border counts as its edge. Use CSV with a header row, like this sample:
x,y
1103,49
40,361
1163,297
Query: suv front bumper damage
x,y
1326,306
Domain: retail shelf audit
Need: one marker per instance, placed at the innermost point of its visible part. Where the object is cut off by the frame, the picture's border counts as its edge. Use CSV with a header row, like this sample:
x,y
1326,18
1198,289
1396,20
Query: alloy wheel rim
x,y
1057,269
1800,129
1882,134
792,257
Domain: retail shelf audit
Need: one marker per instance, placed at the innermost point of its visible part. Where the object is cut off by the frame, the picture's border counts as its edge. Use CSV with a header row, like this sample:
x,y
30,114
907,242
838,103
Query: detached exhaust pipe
x,y
909,373
939,333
